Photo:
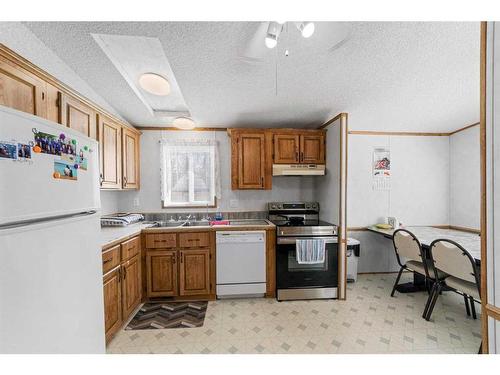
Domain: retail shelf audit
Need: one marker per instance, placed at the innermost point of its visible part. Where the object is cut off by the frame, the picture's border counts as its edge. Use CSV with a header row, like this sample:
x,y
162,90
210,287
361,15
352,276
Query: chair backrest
x,y
406,245
450,257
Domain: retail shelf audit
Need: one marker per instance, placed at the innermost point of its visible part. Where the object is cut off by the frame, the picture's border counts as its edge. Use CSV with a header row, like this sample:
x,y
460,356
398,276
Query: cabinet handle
x,y
296,156
119,274
182,257
124,180
124,273
194,239
101,179
301,156
107,261
160,240
174,258
262,181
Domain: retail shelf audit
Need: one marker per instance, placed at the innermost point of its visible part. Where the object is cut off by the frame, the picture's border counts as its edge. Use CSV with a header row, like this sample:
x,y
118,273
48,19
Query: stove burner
x,y
295,220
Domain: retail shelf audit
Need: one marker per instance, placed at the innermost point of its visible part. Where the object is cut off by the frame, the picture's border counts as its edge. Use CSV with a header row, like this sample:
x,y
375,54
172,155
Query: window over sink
x,y
189,173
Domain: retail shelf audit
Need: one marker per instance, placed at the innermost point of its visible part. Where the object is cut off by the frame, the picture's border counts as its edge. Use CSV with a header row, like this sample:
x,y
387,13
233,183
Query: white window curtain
x,y
190,173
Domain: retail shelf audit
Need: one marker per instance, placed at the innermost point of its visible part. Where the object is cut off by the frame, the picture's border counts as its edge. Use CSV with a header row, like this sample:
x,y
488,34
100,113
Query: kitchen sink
x,y
168,224
196,224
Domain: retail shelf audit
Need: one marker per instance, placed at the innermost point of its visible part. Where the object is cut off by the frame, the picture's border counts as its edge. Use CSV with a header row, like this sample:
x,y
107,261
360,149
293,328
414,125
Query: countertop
x,y
112,235
470,241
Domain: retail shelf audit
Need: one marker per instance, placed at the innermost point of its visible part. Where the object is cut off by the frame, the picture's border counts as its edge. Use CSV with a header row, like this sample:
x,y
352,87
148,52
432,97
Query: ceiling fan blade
x,y
255,50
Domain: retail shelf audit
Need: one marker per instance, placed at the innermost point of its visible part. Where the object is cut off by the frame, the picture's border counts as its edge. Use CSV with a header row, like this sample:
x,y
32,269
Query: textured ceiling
x,y
391,76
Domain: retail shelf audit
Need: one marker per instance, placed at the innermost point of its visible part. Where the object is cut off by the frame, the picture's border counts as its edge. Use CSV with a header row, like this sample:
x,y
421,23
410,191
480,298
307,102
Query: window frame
x,y
192,203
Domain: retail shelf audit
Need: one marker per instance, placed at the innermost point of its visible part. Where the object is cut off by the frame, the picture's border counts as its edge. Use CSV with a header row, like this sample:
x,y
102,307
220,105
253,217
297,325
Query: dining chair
x,y
411,258
450,257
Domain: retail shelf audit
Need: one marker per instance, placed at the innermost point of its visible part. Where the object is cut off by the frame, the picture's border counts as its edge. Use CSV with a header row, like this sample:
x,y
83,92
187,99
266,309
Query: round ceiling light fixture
x,y
271,41
184,123
306,29
154,84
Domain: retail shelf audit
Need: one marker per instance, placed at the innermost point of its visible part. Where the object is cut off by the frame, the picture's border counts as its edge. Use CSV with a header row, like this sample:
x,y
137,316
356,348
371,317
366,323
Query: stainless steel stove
x,y
300,220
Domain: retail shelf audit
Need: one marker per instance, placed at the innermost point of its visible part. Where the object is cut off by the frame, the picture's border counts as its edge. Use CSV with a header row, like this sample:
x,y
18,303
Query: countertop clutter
x,y
111,235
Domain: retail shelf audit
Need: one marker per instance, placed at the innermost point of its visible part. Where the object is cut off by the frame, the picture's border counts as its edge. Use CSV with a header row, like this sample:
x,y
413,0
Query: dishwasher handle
x,y
241,237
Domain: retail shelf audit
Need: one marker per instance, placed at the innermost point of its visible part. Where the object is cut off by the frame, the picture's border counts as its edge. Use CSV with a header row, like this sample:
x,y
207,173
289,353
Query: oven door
x,y
291,274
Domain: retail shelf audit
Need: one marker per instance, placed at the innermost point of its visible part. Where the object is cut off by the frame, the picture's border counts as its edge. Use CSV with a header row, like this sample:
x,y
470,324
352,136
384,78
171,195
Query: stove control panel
x,y
295,206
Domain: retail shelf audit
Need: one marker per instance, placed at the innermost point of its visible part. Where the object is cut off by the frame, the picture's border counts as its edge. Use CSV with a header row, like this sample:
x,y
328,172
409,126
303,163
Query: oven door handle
x,y
293,240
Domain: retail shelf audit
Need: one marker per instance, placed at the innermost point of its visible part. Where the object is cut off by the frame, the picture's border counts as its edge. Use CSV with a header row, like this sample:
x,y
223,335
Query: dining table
x,y
426,234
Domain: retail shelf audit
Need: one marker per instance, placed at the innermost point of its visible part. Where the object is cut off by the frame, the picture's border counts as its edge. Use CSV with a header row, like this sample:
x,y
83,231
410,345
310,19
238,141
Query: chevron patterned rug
x,y
159,315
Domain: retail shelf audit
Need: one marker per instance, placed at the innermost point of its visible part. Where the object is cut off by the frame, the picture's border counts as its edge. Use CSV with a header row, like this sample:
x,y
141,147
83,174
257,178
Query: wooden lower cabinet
x,y
194,275
161,273
131,285
112,302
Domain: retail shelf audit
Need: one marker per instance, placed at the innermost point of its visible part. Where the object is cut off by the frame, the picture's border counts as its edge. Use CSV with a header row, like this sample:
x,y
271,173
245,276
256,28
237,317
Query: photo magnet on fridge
x,y
8,150
23,151
48,143
65,171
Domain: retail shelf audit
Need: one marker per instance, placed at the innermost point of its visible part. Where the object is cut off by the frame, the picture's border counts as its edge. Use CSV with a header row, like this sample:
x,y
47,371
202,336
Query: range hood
x,y
298,169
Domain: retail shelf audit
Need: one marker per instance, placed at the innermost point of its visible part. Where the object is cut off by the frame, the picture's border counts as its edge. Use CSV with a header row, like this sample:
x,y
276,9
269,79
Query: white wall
x,y
465,188
420,180
284,188
419,193
327,187
110,202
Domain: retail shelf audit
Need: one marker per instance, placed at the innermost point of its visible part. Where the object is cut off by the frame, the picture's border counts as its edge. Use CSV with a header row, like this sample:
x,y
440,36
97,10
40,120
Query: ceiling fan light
x,y
154,84
306,29
271,41
184,123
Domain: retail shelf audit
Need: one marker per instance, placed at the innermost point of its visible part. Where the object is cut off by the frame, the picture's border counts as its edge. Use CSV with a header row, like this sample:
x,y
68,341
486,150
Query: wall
x,y
284,188
419,193
327,187
110,202
465,189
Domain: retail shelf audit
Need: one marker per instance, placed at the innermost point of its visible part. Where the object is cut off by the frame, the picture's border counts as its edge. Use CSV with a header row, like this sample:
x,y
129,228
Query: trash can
x,y
353,248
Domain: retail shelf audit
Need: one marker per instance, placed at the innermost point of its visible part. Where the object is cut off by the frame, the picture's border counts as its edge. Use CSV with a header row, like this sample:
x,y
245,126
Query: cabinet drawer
x,y
131,248
199,239
110,259
161,240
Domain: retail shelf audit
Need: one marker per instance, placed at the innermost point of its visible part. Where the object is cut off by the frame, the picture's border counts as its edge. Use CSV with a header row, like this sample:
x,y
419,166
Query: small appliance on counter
x,y
295,280
121,220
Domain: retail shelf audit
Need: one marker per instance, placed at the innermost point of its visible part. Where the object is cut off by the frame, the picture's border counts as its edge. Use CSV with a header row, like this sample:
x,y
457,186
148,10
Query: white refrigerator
x,y
51,298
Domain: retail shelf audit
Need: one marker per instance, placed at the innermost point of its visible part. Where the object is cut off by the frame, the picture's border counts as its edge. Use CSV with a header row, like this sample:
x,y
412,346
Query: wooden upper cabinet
x,y
78,116
21,90
110,151
249,158
161,270
194,272
286,148
312,148
131,158
131,285
112,302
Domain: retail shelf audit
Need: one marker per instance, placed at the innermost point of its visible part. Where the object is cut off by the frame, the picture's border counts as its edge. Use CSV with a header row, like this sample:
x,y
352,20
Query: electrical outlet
x,y
233,203
136,202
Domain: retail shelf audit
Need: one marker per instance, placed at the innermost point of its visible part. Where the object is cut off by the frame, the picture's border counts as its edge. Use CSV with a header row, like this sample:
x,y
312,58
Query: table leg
x,y
418,285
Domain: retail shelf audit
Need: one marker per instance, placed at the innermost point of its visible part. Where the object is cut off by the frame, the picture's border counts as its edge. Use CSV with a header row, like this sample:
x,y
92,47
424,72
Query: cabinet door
x,y
286,148
112,302
251,161
131,161
78,116
312,148
110,147
131,285
161,268
21,90
194,278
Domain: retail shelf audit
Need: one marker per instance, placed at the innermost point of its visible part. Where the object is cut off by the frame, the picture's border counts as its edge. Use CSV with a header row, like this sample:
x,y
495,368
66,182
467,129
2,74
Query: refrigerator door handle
x,y
24,223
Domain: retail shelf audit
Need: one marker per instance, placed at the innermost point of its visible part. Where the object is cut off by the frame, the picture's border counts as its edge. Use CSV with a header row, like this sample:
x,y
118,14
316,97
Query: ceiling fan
x,y
329,36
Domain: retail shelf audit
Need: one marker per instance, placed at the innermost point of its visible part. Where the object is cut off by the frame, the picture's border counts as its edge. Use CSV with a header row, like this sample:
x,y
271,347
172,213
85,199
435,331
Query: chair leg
x,y
466,300
472,307
433,302
429,299
397,281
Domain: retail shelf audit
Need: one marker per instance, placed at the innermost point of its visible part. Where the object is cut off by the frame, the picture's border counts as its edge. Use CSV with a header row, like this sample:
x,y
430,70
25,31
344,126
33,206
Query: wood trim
x,y
271,263
342,234
332,120
465,229
168,128
464,128
413,134
492,311
482,136
35,70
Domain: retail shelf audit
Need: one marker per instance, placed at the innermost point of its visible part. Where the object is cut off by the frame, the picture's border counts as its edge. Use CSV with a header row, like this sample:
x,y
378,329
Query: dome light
x,y
271,41
154,84
184,123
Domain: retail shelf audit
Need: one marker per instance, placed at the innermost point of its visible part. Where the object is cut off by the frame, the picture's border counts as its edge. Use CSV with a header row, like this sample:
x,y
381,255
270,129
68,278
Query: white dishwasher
x,y
241,264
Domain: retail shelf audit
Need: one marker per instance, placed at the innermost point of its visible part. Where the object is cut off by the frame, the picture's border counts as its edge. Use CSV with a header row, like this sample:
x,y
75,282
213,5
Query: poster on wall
x,y
381,169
